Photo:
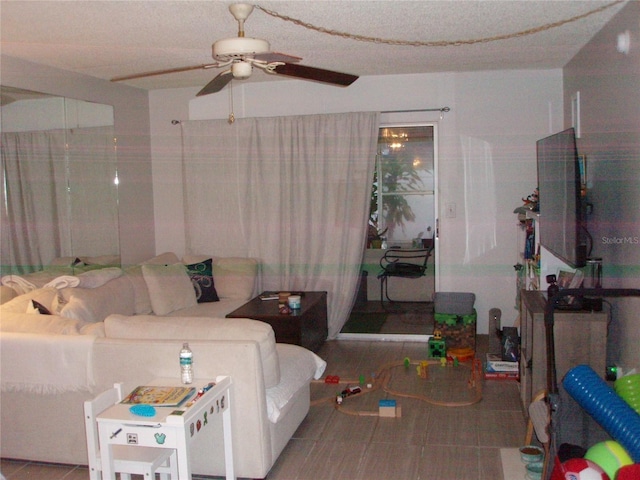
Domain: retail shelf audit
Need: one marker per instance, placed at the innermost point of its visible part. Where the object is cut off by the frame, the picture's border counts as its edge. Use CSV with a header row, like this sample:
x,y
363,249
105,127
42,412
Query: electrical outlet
x,y
450,210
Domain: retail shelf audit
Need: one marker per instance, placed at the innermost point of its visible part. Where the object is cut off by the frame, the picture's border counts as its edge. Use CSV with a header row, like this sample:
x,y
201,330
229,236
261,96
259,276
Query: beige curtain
x,y
59,197
34,215
291,191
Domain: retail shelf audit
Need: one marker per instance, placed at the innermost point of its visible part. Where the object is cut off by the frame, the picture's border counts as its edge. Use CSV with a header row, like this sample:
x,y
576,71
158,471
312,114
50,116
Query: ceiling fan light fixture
x,y
241,70
233,48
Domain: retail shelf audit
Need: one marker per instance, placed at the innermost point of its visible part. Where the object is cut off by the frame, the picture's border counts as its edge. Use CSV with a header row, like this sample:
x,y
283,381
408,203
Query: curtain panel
x,y
59,197
291,191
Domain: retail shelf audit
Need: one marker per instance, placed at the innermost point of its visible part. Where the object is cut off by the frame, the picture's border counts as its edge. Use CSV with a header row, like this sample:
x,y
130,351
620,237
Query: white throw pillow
x,y
96,304
169,286
140,290
166,258
235,277
97,278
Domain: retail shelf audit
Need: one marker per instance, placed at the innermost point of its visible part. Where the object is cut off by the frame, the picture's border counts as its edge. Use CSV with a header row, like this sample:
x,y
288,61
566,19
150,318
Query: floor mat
x,y
362,322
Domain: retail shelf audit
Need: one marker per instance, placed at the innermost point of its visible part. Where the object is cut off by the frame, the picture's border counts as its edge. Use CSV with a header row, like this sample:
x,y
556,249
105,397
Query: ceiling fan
x,y
242,53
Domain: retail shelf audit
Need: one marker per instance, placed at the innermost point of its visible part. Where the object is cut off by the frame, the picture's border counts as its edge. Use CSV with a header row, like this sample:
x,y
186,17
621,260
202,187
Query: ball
x,y
579,469
610,455
629,472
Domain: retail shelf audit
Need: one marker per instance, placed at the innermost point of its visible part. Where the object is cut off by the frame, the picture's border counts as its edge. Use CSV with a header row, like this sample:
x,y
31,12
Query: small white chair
x,y
127,460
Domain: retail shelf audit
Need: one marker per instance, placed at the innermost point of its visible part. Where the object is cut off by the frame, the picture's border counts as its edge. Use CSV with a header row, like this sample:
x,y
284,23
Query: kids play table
x,y
170,427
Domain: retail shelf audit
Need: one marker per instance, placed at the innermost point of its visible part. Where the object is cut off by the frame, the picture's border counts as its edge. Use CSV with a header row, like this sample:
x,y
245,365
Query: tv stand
x,y
580,338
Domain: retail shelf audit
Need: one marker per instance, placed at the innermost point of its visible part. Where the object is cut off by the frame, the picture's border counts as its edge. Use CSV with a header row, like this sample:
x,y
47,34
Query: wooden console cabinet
x,y
306,327
580,339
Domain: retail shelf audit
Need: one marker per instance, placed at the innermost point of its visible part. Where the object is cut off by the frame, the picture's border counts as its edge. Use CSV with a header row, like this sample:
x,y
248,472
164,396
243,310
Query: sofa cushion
x,y
6,294
297,366
200,328
140,290
170,288
104,260
98,277
235,276
167,258
19,304
201,275
96,304
46,324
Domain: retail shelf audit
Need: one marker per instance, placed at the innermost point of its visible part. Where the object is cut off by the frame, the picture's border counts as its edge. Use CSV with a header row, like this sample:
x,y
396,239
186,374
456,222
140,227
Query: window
x,y
402,199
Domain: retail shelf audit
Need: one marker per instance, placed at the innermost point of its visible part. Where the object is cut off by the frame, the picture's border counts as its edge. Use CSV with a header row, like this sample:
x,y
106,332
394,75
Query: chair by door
x,y
402,263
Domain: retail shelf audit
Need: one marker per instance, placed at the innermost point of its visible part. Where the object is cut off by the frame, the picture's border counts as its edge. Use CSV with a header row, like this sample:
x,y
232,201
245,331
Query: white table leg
x,y
228,446
106,453
184,468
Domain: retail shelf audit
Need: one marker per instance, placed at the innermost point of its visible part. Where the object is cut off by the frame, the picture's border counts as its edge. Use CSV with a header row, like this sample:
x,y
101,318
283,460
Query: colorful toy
x,y
387,408
437,348
462,354
606,407
579,469
423,369
629,472
609,455
332,379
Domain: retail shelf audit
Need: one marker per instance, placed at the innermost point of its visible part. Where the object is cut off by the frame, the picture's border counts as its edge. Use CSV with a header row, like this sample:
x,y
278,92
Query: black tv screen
x,y
562,213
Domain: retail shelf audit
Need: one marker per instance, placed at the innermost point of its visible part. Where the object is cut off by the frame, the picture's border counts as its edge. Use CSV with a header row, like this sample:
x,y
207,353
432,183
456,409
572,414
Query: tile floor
x,y
428,442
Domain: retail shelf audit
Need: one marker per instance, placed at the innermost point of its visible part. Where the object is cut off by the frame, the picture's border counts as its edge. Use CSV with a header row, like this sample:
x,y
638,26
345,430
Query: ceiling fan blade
x,y
216,84
271,57
317,74
162,72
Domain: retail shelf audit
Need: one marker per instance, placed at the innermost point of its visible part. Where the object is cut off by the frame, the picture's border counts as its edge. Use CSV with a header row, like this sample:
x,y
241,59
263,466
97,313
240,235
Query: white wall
x,y
610,122
487,146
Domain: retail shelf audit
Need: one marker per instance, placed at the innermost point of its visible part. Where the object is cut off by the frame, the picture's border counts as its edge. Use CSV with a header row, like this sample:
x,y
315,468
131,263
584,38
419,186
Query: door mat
x,y
361,322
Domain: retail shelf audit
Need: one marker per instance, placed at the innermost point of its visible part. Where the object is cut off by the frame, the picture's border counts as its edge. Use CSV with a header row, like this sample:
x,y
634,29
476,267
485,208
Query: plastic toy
x,y
578,469
387,408
609,455
437,347
423,369
629,472
332,379
606,407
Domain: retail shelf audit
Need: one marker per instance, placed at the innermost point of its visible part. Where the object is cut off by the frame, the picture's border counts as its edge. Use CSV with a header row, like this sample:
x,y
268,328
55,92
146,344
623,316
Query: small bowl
x,y
534,470
531,454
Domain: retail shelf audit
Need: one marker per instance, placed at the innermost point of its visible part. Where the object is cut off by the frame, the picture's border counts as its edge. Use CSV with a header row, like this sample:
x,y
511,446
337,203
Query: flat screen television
x,y
562,208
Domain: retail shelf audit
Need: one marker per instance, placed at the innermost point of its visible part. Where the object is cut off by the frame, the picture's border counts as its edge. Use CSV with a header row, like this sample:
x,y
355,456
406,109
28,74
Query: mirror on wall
x,y
59,181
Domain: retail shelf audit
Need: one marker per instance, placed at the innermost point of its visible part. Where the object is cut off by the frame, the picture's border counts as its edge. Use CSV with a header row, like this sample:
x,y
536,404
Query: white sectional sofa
x,y
112,333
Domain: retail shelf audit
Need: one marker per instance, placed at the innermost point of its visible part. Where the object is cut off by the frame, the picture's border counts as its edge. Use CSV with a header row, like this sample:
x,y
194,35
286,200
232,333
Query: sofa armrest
x,y
148,327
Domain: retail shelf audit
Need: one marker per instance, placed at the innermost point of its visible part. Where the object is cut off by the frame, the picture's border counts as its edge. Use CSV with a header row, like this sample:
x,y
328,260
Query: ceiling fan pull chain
x,y
232,117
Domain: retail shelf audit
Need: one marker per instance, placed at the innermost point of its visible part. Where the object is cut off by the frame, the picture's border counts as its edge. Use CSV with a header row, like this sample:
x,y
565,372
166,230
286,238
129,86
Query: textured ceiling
x,y
113,38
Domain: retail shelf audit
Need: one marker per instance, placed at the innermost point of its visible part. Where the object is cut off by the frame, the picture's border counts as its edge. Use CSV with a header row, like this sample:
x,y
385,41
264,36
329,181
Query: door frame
x,y
436,234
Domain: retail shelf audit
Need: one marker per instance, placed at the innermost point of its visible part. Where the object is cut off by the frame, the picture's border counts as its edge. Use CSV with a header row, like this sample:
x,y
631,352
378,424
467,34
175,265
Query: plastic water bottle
x,y
186,364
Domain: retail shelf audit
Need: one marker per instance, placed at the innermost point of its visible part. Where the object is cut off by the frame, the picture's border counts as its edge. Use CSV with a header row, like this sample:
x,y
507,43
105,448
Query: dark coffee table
x,y
306,327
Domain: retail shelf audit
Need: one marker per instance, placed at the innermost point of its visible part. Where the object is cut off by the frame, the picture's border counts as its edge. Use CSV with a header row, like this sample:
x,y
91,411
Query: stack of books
x,y
498,369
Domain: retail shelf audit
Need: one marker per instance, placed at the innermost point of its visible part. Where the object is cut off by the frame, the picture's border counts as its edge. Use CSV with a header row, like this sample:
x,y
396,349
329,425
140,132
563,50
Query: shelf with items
x,y
528,248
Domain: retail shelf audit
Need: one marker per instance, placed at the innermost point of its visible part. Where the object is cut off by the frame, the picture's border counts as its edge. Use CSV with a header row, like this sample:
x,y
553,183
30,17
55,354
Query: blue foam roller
x,y
606,407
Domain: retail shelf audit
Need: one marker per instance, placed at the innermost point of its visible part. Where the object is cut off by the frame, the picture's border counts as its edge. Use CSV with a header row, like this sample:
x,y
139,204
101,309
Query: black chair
x,y
402,263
